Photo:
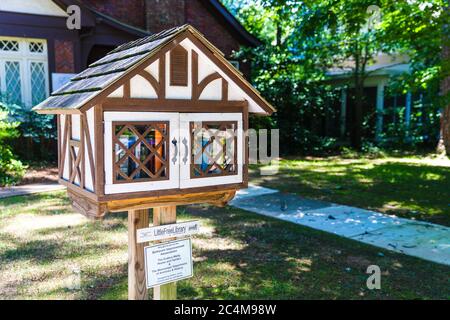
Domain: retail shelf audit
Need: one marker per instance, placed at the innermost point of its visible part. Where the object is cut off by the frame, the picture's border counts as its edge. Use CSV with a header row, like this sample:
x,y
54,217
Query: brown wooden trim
x,y
59,141
162,77
202,85
246,146
194,74
159,53
65,138
83,192
127,89
99,151
85,202
59,111
219,197
69,137
173,105
90,150
160,193
147,76
223,126
179,66
81,151
129,151
76,163
230,72
224,90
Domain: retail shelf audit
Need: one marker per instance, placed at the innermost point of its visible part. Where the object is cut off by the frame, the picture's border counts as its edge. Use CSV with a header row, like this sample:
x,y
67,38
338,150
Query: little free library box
x,y
157,122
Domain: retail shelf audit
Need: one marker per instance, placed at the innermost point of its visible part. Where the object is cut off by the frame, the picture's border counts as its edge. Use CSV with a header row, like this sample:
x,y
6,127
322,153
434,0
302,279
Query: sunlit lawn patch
x,y
238,255
412,187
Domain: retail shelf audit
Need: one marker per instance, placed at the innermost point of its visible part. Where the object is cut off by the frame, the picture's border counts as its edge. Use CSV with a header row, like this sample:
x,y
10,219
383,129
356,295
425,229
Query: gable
x,y
134,70
41,7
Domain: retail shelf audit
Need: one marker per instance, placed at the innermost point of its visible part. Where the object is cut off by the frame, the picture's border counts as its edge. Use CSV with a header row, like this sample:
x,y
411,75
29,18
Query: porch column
x,y
408,110
343,116
380,108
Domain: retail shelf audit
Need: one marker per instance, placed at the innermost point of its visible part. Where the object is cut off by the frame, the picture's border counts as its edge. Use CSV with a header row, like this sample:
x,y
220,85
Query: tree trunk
x,y
444,142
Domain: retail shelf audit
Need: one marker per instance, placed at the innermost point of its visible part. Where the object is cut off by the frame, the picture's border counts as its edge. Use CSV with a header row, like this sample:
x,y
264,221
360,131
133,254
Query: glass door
x,y
141,151
211,149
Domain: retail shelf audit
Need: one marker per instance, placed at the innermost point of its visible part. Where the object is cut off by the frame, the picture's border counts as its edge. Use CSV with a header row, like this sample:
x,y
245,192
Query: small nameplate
x,y
168,231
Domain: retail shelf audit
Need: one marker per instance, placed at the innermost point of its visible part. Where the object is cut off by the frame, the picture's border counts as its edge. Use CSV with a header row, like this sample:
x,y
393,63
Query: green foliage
x,y
37,133
32,125
11,169
303,40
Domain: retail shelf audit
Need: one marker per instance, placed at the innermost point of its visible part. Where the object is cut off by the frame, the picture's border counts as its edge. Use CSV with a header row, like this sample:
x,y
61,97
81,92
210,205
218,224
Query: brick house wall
x,y
131,12
164,14
64,56
213,28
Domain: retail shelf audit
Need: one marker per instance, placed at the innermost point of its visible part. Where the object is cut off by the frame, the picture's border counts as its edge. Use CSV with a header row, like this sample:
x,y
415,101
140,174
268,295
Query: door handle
x,y
186,150
175,154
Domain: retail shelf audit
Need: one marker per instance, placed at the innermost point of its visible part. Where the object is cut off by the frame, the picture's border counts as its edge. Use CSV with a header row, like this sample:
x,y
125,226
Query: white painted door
x,y
141,151
211,149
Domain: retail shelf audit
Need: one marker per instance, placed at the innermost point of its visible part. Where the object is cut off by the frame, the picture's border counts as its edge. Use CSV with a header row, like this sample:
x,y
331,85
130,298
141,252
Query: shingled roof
x,y
108,70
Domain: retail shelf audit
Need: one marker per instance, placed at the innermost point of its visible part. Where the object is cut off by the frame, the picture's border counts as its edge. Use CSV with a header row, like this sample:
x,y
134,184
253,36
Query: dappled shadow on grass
x,y
405,189
96,285
277,260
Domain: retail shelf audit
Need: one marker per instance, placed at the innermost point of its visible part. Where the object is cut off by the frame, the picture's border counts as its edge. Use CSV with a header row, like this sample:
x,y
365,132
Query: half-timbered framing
x,y
126,123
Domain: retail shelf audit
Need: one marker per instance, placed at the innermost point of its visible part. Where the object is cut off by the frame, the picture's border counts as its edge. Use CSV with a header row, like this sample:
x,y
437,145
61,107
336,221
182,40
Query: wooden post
x,y
161,216
137,287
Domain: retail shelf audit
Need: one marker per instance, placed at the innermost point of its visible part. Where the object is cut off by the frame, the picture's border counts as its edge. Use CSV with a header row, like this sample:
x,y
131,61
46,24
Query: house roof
x,y
91,16
216,6
390,69
108,71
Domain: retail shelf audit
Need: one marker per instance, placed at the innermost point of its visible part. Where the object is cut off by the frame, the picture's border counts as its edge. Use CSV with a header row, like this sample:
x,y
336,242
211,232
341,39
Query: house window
x,y
23,70
140,151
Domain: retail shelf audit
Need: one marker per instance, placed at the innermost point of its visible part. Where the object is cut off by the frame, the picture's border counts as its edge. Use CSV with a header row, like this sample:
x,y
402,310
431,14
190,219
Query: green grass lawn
x,y
45,248
412,187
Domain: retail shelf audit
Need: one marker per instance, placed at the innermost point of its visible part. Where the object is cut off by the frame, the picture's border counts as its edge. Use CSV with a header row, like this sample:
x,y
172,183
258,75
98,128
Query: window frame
x,y
24,56
116,164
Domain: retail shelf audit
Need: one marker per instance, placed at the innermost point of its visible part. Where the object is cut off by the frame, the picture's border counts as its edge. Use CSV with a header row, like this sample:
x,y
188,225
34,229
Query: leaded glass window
x,y
38,88
13,82
9,45
23,70
36,47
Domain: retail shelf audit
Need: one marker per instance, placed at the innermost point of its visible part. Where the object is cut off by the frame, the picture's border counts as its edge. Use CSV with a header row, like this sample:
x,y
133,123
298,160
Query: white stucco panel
x,y
206,67
141,88
66,157
153,69
76,127
89,184
213,91
118,93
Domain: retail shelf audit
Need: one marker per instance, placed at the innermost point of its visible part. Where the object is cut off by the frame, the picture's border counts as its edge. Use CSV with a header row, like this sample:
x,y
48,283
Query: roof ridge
x,y
151,38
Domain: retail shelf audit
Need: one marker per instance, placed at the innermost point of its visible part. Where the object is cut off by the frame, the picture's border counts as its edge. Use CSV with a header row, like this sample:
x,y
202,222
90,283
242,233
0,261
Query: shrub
x,y
11,169
37,139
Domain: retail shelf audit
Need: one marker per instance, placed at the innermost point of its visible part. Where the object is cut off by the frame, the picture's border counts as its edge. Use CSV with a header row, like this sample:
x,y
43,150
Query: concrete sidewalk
x,y
29,189
420,239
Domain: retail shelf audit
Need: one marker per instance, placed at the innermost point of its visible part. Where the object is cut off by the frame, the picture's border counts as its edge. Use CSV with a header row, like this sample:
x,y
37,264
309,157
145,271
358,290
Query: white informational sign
x,y
167,231
60,79
168,262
